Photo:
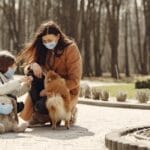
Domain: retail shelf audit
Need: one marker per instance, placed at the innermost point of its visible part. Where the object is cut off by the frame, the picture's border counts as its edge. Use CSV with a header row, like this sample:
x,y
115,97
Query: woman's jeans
x,y
36,87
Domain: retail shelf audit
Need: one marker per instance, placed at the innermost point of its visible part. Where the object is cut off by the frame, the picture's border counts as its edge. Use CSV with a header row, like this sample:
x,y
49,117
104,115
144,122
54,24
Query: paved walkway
x,y
88,134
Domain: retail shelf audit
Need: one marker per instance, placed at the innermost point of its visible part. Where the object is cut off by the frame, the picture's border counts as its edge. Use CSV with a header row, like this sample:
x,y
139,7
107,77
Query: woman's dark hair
x,y
6,60
36,51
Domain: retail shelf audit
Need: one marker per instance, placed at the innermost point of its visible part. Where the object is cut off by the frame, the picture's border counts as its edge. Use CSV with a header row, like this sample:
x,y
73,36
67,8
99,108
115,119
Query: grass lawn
x,y
124,84
128,88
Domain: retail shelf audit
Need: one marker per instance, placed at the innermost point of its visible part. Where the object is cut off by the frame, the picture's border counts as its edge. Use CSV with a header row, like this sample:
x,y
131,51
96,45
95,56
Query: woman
x,y
51,49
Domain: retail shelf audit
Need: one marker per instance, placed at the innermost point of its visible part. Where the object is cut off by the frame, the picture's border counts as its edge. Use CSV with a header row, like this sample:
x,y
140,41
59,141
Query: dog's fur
x,y
58,99
10,122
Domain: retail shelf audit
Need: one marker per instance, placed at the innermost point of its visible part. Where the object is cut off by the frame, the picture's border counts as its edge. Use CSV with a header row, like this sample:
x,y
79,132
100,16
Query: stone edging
x,y
113,140
113,104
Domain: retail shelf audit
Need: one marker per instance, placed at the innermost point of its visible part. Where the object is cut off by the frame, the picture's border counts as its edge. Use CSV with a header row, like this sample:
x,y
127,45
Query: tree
x,y
133,53
127,72
113,12
146,45
99,37
138,36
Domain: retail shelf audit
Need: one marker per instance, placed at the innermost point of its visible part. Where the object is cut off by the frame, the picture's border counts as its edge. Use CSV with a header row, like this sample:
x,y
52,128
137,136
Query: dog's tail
x,y
54,101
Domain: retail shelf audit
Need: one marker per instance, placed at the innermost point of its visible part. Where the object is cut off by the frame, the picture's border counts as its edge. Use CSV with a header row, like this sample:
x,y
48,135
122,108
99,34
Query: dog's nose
x,y
3,103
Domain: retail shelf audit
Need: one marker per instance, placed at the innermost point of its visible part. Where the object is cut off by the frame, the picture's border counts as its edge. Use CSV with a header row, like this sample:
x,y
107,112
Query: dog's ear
x,y
51,75
54,76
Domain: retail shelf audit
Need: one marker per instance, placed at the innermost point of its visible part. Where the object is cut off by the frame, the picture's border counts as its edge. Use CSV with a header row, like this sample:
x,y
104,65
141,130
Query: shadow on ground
x,y
60,133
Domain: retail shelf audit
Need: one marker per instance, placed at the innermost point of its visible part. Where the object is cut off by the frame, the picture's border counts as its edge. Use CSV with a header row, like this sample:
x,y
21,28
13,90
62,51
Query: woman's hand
x,y
37,70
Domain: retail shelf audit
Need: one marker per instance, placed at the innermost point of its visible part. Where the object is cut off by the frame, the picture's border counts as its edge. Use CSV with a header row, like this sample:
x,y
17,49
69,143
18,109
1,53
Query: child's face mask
x,y
10,72
6,109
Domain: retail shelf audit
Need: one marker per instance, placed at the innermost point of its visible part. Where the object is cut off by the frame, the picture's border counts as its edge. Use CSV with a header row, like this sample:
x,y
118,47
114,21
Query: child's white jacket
x,y
13,87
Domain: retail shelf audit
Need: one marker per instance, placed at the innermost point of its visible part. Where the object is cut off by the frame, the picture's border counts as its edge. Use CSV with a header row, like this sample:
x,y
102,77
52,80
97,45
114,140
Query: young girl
x,y
8,86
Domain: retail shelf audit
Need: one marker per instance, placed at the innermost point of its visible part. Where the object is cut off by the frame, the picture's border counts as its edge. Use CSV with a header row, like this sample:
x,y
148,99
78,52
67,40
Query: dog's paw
x,y
53,127
67,124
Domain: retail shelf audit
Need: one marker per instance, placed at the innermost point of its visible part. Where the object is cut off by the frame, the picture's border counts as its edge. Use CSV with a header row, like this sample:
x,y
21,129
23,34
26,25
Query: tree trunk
x,y
138,37
87,38
113,12
127,72
146,45
97,40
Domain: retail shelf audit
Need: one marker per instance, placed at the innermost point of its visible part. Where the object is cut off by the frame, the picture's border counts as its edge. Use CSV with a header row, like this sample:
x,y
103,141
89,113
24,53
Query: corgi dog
x,y
58,100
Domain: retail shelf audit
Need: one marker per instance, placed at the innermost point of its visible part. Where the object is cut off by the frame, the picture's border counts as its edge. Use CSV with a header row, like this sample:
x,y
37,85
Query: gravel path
x,y
88,134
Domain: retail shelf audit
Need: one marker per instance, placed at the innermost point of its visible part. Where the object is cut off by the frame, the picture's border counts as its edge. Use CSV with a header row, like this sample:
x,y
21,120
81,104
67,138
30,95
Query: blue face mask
x,y
6,109
10,73
50,45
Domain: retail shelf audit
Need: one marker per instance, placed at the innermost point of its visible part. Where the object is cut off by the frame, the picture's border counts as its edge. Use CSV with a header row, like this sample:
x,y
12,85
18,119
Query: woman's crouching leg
x,y
26,114
40,113
31,115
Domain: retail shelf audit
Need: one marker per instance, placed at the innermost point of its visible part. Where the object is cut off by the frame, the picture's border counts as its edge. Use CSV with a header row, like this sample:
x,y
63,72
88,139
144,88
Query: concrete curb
x,y
113,104
113,140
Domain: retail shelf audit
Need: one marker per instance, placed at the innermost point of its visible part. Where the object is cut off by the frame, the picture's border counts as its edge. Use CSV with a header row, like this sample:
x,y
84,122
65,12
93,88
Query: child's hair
x,y
6,60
